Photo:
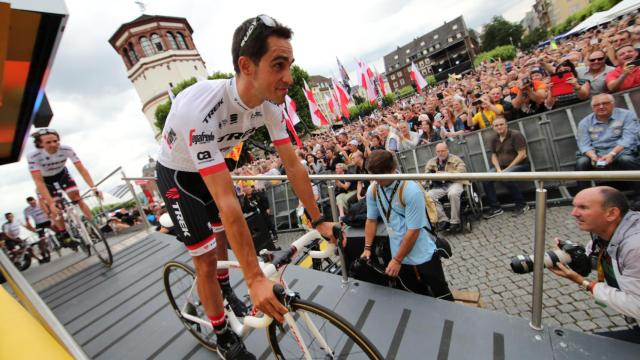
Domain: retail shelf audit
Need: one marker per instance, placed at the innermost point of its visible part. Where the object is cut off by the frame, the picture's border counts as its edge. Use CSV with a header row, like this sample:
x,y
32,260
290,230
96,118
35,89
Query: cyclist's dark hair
x,y
614,198
255,45
381,162
30,198
6,215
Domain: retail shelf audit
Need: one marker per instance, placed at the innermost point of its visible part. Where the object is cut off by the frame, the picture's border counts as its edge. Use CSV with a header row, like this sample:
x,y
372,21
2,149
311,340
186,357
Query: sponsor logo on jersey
x,y
183,225
256,114
213,111
236,135
201,138
203,155
233,119
172,193
170,138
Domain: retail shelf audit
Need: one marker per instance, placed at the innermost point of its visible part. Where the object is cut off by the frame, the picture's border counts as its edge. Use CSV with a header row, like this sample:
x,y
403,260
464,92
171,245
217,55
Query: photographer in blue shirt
x,y
413,248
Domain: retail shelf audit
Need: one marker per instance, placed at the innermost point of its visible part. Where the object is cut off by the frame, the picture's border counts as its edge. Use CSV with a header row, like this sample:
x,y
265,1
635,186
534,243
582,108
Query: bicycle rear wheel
x,y
73,229
180,285
99,243
325,334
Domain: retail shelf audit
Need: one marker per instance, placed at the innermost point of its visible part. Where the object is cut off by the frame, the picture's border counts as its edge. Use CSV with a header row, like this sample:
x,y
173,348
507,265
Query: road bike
x,y
310,330
85,232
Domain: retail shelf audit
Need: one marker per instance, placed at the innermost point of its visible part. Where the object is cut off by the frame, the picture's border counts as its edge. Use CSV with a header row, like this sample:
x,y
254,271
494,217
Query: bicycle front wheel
x,y
99,243
312,331
180,285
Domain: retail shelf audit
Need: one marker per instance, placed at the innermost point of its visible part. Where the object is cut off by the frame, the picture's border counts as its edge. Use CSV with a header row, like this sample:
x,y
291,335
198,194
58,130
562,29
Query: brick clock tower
x,y
158,52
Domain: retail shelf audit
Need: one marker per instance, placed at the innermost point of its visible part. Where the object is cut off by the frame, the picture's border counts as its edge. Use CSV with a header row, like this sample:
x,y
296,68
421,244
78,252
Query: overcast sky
x,y
98,113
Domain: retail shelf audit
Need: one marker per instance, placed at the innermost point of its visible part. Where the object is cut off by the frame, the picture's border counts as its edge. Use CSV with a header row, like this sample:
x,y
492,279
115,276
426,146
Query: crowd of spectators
x,y
574,69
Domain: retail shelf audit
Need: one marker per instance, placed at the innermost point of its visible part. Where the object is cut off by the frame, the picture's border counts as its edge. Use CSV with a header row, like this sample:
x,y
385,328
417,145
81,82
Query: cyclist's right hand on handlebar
x,y
263,298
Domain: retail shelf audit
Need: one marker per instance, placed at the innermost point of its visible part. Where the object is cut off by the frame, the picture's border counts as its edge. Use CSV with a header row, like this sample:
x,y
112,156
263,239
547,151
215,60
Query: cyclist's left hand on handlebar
x,y
263,298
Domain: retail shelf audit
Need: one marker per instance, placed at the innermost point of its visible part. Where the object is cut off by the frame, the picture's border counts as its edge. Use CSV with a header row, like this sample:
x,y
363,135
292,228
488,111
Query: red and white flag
x,y
383,91
415,75
343,98
316,115
366,80
288,114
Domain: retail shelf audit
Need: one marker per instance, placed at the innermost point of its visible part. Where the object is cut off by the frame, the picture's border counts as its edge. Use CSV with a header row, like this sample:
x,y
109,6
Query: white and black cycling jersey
x,y
36,213
12,230
40,161
207,120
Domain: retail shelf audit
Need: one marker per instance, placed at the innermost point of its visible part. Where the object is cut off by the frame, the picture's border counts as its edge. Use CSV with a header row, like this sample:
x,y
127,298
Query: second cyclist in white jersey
x,y
47,165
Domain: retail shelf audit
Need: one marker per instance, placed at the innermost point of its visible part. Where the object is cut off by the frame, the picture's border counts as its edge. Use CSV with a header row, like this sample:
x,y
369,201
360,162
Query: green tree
x,y
533,38
357,99
501,32
582,14
506,52
431,80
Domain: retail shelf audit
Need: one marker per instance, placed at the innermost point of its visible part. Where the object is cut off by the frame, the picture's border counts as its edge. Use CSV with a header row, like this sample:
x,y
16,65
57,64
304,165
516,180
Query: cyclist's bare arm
x,y
85,174
301,183
261,289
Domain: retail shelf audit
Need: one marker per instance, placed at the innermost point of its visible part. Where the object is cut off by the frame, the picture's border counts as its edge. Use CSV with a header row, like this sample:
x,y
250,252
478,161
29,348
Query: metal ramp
x,y
123,313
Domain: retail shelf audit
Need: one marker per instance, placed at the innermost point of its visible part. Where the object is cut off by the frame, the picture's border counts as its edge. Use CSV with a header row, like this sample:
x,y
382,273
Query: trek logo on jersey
x,y
236,136
203,155
170,138
233,119
183,225
213,111
201,138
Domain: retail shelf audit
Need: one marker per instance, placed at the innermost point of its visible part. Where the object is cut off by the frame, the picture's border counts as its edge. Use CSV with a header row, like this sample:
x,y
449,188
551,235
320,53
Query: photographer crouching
x,y
402,208
615,248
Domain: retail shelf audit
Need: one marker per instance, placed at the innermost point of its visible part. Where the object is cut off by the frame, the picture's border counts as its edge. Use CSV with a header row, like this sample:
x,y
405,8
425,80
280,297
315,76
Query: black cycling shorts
x,y
61,180
40,228
191,208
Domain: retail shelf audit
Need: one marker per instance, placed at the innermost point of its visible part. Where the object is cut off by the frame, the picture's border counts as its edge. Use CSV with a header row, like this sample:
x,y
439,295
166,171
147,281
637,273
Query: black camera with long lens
x,y
567,253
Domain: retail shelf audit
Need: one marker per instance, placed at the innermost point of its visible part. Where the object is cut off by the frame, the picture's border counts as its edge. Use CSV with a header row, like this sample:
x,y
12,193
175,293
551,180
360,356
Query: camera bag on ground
x,y
443,248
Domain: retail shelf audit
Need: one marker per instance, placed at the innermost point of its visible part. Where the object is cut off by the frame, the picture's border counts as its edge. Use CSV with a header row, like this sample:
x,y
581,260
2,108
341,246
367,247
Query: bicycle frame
x,y
241,327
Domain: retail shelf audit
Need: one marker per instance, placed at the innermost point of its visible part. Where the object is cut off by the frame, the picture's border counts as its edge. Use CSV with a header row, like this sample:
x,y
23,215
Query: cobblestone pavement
x,y
481,263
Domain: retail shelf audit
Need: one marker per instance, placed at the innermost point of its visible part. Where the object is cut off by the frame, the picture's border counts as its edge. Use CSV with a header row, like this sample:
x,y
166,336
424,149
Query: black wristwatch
x,y
318,221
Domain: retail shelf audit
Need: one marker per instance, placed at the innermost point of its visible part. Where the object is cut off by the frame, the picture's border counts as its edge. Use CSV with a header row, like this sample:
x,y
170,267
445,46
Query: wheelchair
x,y
470,206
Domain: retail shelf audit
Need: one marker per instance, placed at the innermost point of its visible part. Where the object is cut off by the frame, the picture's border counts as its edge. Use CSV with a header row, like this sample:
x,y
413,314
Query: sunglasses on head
x,y
264,19
45,131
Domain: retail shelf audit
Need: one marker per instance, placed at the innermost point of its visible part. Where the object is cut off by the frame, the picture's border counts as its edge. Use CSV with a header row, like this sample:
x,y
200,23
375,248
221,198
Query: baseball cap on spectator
x,y
536,69
353,142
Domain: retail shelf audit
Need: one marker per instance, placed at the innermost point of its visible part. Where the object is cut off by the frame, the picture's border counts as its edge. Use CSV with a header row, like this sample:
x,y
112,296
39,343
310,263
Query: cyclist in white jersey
x,y
41,222
48,170
206,120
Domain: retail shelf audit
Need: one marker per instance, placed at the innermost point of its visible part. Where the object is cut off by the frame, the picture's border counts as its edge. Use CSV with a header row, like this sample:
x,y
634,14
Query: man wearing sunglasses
x,y
205,122
596,72
48,170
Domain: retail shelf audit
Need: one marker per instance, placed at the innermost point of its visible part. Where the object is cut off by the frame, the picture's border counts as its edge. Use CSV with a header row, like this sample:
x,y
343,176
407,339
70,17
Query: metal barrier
x,y
541,196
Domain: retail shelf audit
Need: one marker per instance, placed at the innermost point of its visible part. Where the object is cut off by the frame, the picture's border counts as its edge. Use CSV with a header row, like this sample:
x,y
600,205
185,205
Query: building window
x,y
182,44
170,85
126,57
402,81
435,36
407,60
393,76
395,84
195,67
422,43
424,52
407,51
172,41
132,54
395,57
450,39
455,26
458,35
146,46
430,48
438,46
157,43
